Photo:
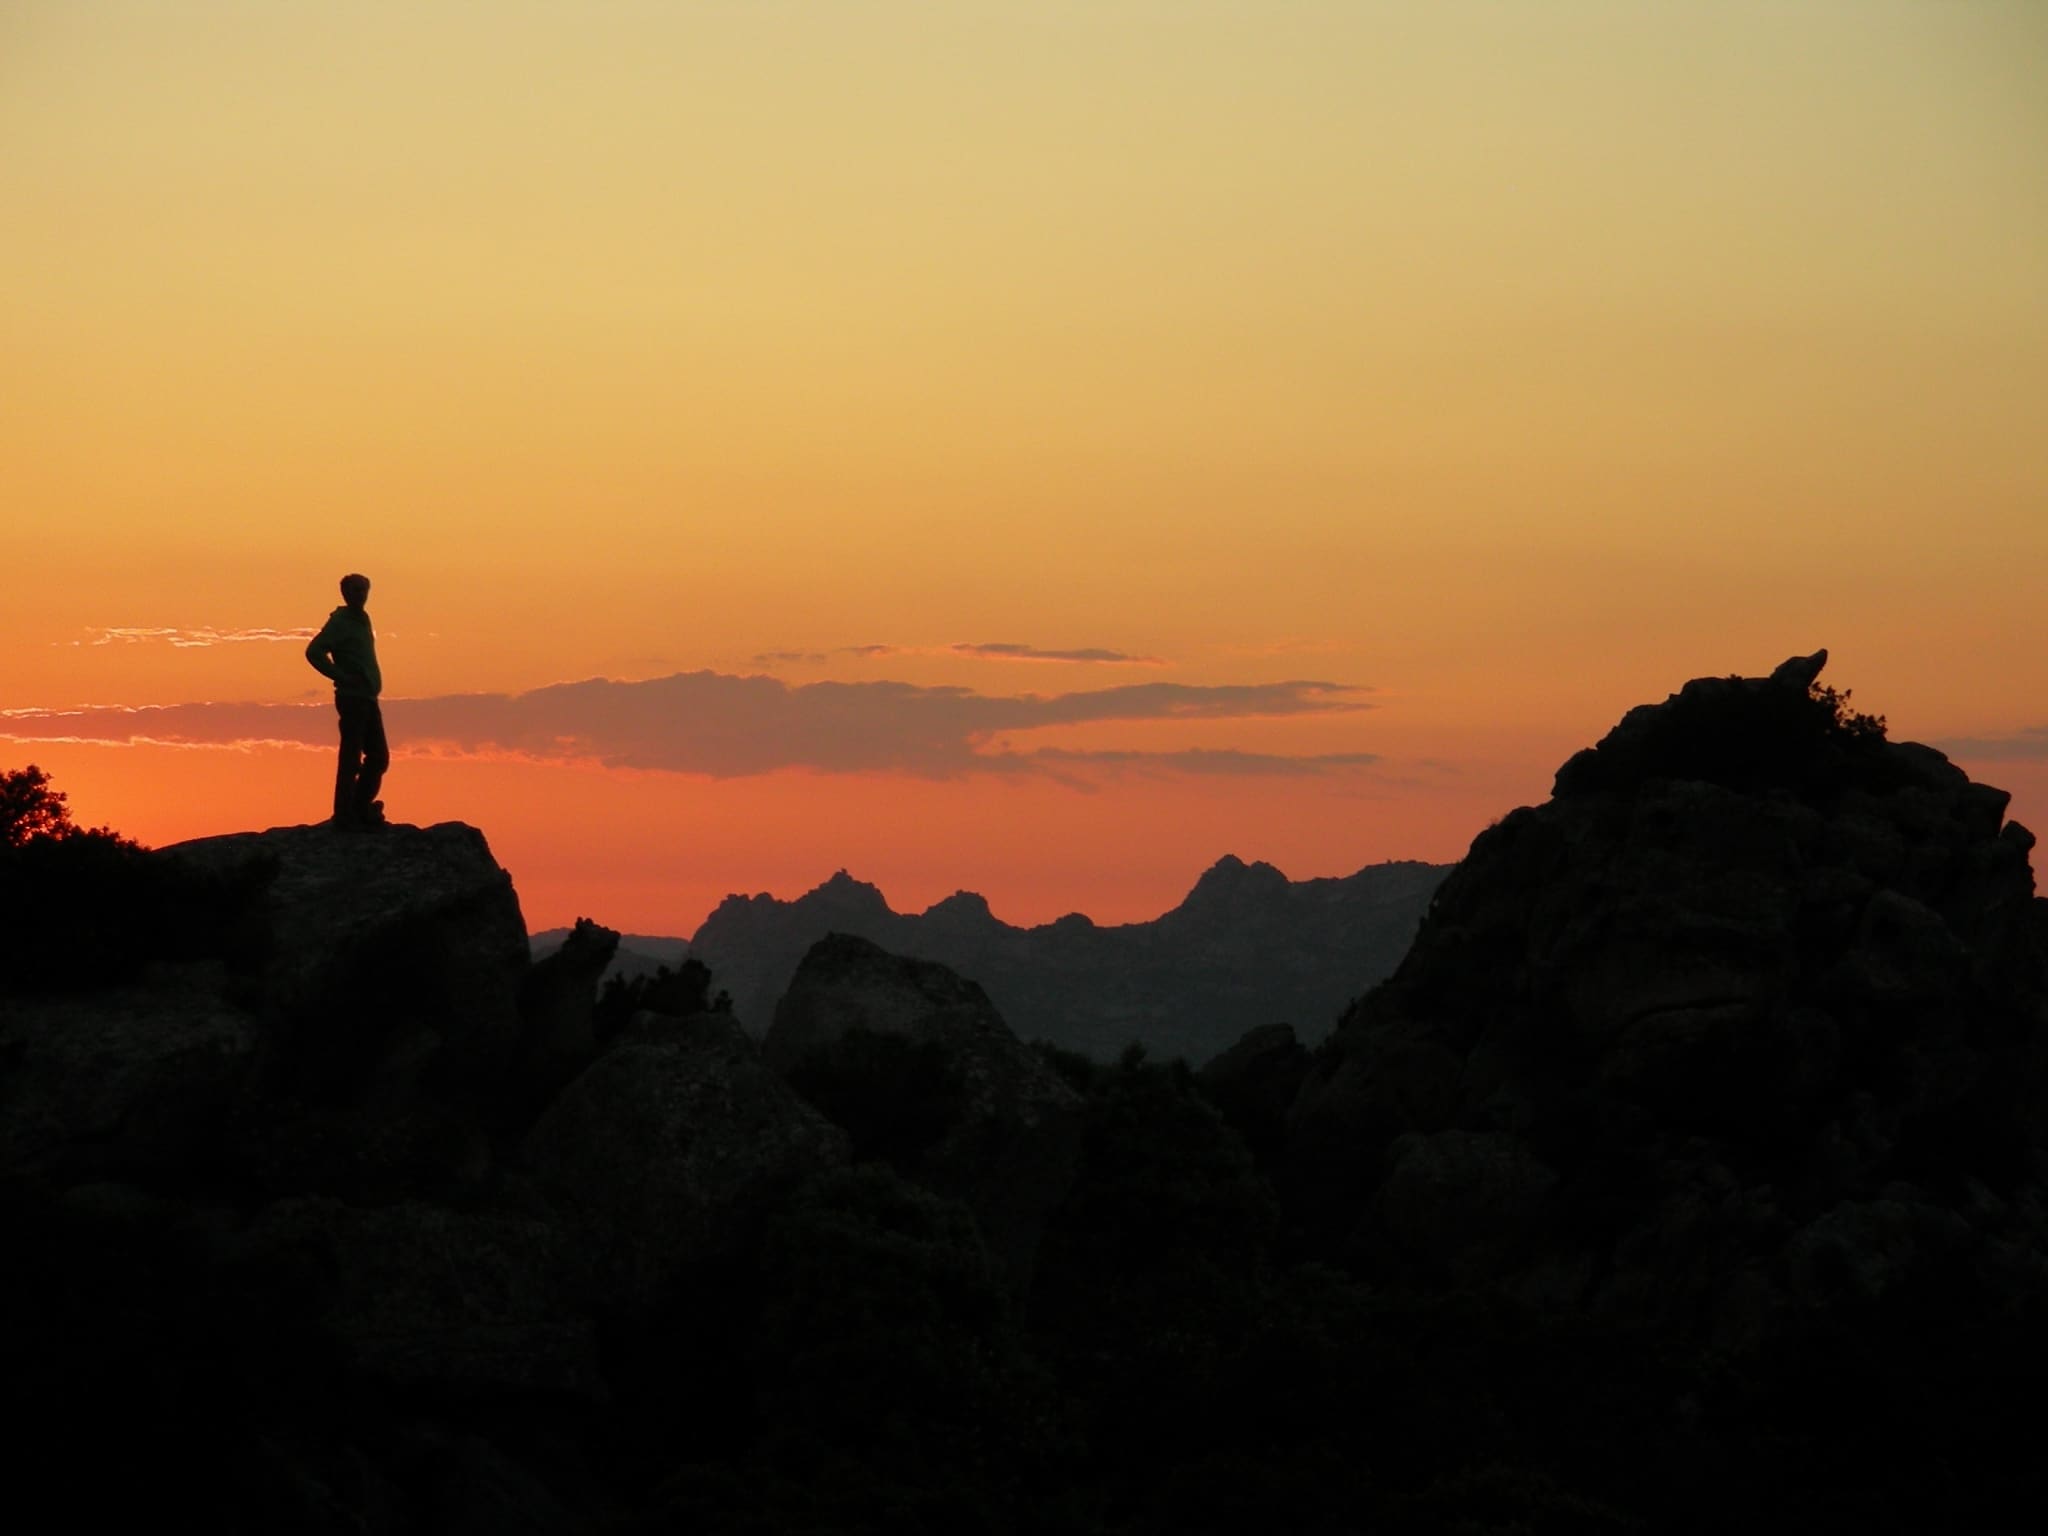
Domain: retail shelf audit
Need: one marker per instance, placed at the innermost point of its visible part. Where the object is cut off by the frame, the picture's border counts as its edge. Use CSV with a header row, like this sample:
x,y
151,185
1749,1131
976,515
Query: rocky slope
x,y
1741,1040
1246,947
346,1218
1690,1174
989,1124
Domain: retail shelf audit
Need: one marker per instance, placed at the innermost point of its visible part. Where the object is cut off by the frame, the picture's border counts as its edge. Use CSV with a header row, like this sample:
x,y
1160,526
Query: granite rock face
x,y
341,1008
130,1083
371,956
362,1192
417,1297
664,1154
977,1115
1756,985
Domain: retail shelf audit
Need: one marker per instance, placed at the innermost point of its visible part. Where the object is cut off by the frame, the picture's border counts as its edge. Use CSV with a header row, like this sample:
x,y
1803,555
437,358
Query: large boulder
x,y
380,960
1254,1082
1751,965
129,1083
457,1306
918,1066
664,1156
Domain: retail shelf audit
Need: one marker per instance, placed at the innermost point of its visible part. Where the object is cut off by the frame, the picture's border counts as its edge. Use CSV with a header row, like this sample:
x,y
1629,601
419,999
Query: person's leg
x,y
376,757
350,762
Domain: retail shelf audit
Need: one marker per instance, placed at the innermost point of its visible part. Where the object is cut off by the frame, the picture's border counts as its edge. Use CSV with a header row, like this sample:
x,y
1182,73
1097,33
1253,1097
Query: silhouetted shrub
x,y
1843,717
678,992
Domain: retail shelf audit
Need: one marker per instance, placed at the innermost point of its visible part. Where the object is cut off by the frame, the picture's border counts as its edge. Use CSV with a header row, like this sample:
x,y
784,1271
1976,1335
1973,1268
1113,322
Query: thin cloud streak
x,y
188,639
989,650
1012,651
1222,761
728,726
2026,744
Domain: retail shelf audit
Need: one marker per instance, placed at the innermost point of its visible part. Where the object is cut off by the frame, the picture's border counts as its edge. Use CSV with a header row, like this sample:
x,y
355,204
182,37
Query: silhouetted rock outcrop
x,y
1246,947
1689,1175
1755,985
664,1155
375,955
920,1068
418,1297
638,954
130,1083
557,1010
1255,1082
339,1017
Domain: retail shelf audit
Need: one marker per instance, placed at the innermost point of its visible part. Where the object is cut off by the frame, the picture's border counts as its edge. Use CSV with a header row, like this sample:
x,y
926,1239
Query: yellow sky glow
x,y
1518,362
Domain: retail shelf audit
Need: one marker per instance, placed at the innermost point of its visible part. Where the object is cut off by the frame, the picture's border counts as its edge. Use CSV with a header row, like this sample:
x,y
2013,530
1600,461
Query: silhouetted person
x,y
346,651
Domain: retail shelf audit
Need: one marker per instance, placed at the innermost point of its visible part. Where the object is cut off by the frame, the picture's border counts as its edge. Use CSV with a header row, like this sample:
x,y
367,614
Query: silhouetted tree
x,y
29,808
76,905
1847,719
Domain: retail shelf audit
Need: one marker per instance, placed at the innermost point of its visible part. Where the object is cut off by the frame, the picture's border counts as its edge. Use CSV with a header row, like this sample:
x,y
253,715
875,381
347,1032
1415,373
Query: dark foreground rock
x,y
1254,1084
466,1305
375,957
557,1012
1740,1041
132,1082
665,1154
1689,1176
920,1068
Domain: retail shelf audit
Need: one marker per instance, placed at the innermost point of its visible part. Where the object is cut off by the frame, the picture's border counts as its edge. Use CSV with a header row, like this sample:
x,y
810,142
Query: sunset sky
x,y
1029,447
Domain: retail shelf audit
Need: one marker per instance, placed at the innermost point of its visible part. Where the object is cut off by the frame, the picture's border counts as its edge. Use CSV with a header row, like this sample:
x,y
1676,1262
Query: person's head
x,y
355,590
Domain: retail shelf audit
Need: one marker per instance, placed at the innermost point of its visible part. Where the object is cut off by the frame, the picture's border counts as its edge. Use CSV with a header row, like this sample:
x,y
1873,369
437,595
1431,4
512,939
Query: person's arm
x,y
318,653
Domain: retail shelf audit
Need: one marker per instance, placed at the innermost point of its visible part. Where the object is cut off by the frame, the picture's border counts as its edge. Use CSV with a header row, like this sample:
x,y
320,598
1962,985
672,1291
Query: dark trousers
x,y
364,756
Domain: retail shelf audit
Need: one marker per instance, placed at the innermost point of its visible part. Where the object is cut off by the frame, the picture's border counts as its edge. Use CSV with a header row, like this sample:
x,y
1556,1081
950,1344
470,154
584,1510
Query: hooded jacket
x,y
346,651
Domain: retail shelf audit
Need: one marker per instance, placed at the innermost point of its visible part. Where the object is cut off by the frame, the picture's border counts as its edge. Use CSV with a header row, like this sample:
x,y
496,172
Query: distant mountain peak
x,y
843,893
1245,947
1230,880
967,906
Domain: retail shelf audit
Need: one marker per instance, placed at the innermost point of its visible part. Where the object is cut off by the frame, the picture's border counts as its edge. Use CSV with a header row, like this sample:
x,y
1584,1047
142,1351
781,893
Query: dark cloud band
x,y
988,650
727,726
2021,745
1011,651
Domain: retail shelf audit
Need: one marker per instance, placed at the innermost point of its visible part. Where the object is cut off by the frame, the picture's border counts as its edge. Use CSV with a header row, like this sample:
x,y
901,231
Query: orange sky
x,y
1512,363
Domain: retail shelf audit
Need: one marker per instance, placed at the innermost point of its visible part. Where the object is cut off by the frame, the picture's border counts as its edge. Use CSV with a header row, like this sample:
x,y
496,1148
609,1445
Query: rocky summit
x,y
1689,1174
1739,1042
968,1108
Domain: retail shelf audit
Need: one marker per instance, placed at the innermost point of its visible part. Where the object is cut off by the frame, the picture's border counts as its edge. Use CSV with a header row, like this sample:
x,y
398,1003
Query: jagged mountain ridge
x,y
1247,946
